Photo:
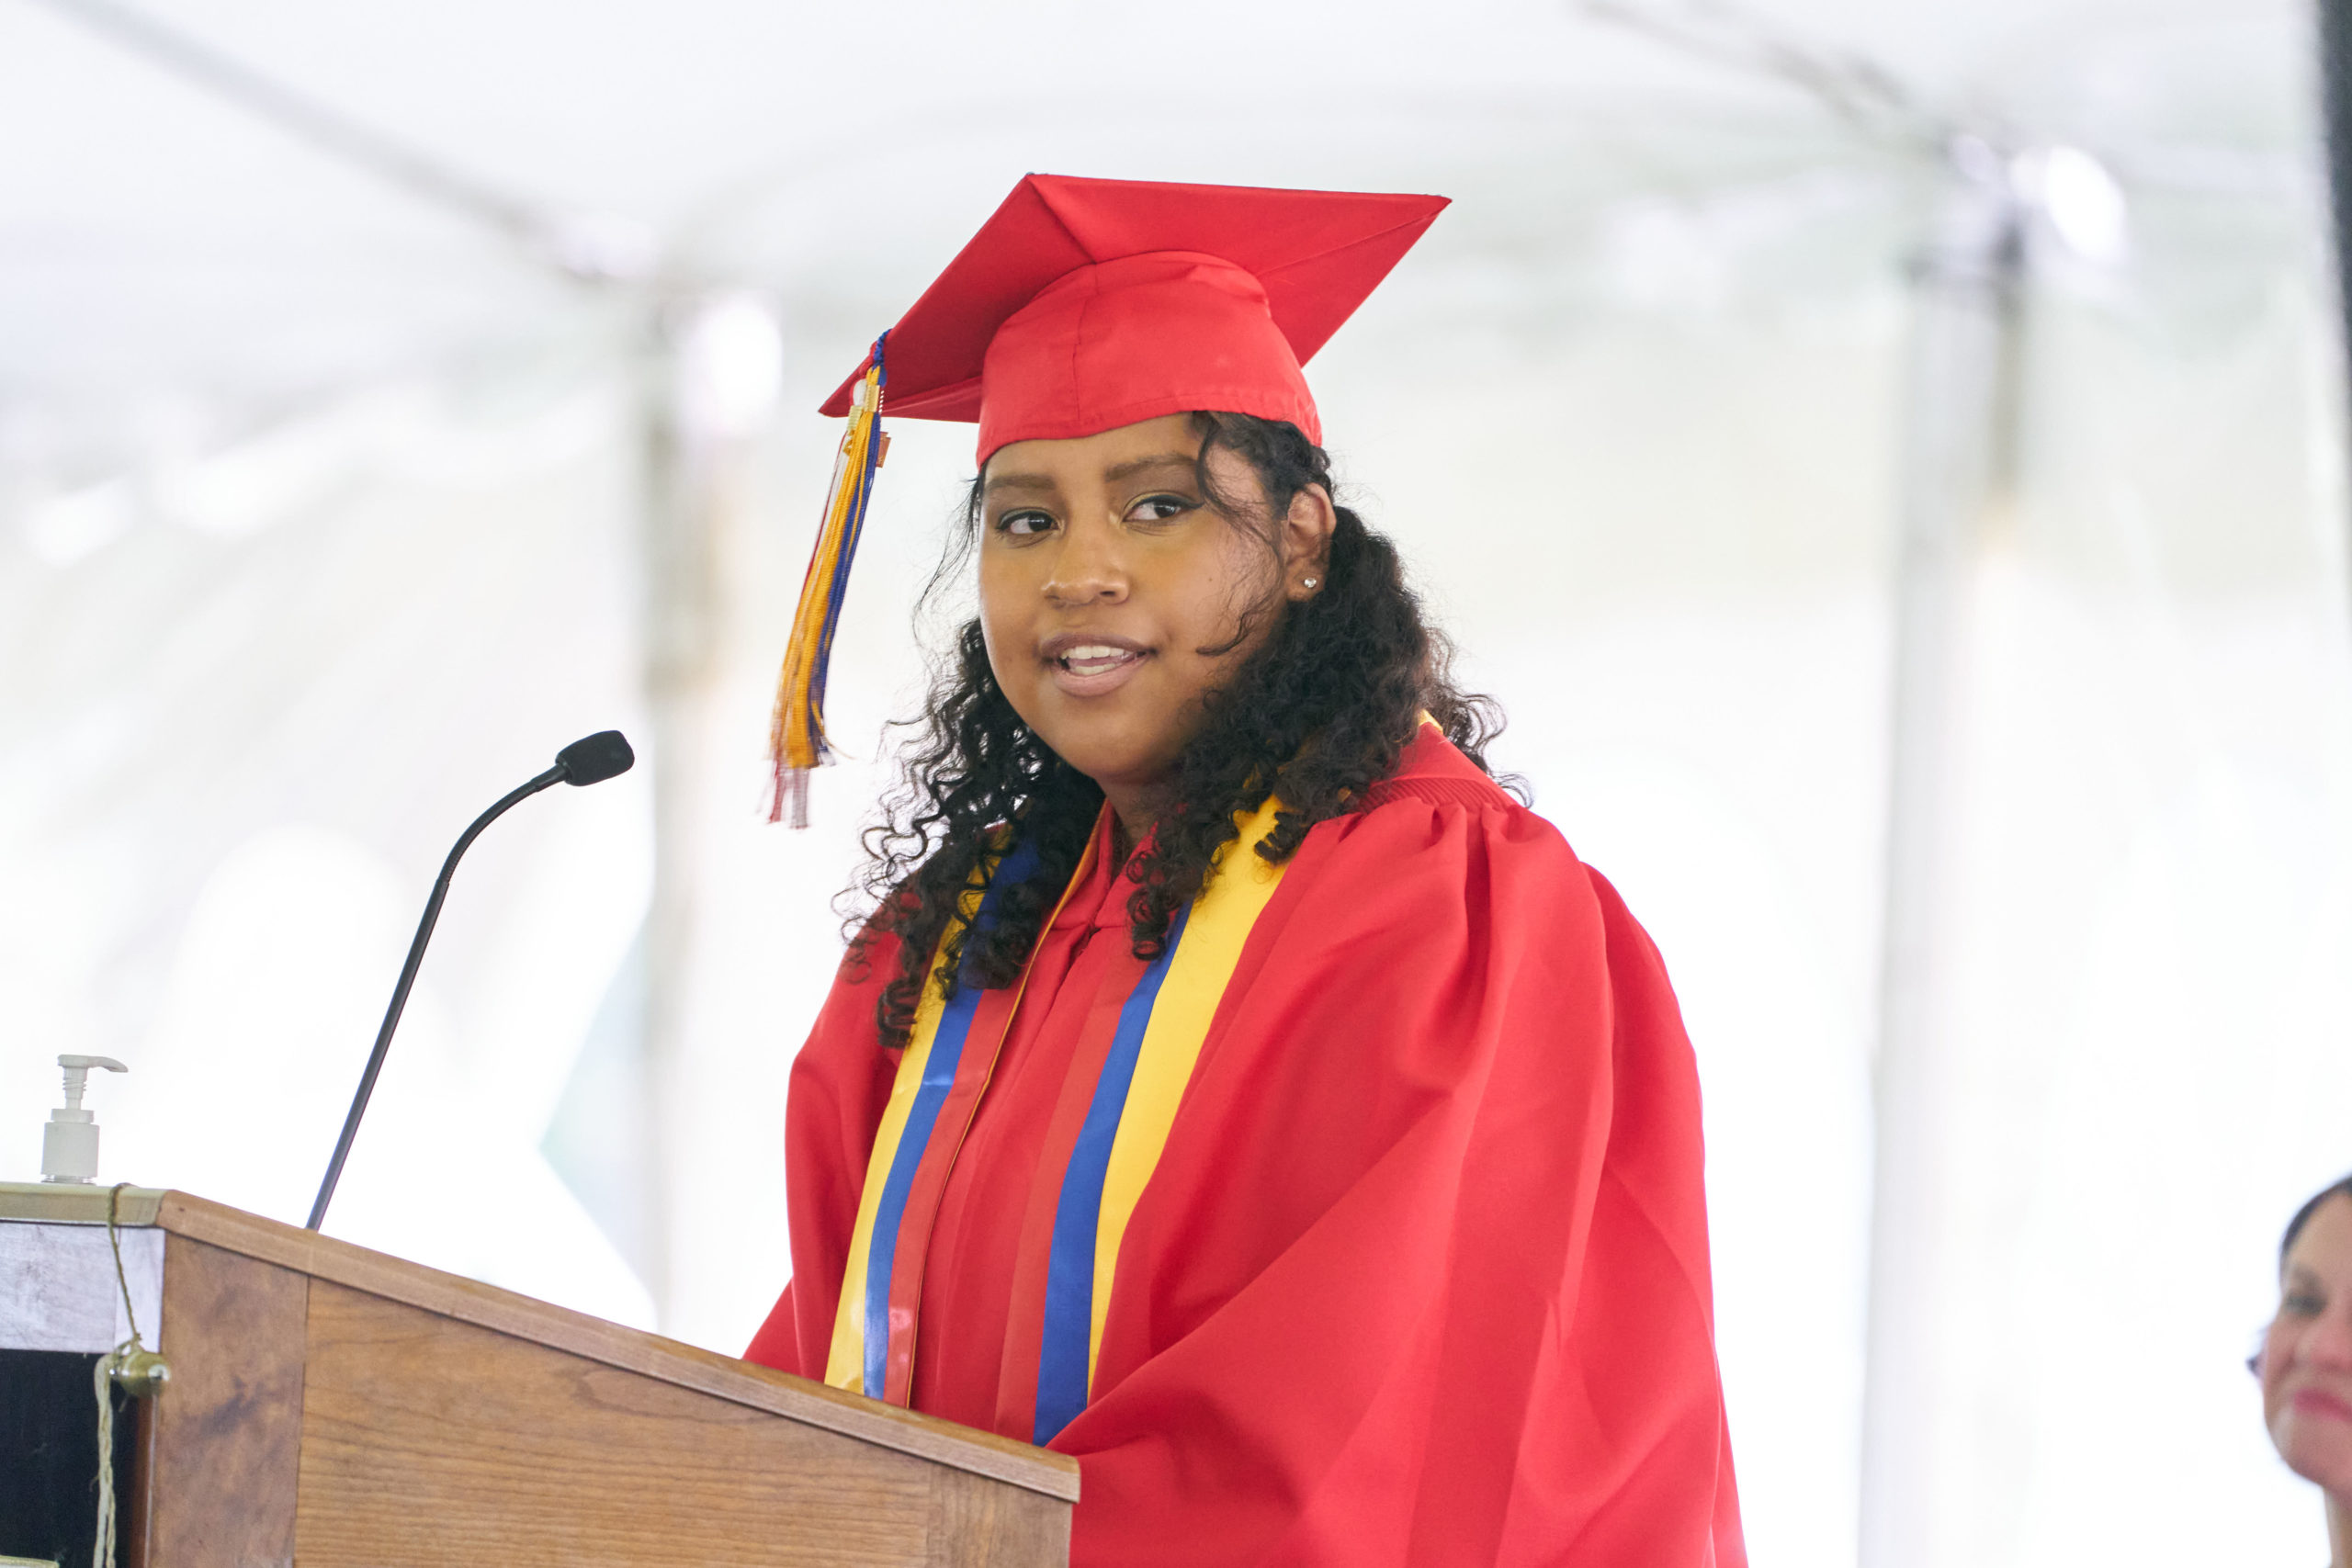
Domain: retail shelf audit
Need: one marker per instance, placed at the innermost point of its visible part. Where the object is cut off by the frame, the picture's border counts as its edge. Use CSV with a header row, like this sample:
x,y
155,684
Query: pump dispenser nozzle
x,y
69,1145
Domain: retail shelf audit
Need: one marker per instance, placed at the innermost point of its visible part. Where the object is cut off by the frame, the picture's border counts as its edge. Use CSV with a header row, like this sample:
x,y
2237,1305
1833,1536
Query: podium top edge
x,y
339,1262
75,1203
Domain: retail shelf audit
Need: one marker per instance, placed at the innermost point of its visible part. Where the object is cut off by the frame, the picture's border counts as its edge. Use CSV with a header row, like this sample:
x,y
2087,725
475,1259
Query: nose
x,y
1088,567
2328,1341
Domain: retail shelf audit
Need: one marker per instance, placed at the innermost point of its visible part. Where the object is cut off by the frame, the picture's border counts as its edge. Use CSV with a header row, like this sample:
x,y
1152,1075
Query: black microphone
x,y
593,760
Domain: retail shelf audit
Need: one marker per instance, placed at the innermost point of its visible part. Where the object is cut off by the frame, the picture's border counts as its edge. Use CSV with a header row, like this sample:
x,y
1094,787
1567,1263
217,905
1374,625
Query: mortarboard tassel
x,y
797,734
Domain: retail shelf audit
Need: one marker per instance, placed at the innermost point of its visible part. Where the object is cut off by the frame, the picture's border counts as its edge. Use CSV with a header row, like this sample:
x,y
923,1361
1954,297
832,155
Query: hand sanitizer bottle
x,y
69,1145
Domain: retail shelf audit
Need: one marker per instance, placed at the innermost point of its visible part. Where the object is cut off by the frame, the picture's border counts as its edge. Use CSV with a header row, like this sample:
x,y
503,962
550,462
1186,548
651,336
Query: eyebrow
x,y
1134,465
1115,473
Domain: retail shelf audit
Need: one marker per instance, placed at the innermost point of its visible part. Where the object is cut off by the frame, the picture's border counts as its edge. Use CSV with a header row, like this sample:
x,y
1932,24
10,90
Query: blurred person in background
x,y
2305,1362
1235,1088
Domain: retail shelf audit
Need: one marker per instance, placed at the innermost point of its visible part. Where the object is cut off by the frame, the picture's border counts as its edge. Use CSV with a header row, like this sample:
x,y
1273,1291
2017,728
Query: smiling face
x,y
2307,1354
1115,598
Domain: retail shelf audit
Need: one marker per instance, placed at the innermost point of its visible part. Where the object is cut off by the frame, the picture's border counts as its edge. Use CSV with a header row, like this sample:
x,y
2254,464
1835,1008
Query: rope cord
x,y
102,1553
122,1281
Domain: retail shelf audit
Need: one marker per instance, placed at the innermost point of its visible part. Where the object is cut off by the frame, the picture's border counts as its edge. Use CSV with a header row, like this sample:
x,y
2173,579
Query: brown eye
x,y
1158,509
1025,524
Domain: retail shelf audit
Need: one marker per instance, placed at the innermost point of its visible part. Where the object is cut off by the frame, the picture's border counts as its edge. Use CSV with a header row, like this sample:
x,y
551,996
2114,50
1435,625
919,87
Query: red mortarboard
x,y
1084,305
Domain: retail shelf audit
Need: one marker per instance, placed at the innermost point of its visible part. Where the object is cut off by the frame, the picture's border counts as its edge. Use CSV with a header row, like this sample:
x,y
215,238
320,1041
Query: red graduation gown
x,y
1421,1276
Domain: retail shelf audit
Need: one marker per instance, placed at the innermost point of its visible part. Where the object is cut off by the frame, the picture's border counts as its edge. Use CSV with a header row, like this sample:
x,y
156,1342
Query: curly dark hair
x,y
1319,712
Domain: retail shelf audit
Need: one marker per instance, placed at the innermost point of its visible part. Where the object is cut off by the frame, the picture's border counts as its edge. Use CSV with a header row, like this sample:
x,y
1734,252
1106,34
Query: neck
x,y
2339,1531
1126,834
1134,812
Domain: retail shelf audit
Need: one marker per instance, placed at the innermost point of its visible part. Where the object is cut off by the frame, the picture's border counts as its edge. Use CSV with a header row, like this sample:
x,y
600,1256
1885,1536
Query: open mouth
x,y
1094,666
1096,659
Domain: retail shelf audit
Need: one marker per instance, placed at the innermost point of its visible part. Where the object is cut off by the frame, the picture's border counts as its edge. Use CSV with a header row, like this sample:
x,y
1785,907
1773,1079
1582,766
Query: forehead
x,y
1170,441
2324,1245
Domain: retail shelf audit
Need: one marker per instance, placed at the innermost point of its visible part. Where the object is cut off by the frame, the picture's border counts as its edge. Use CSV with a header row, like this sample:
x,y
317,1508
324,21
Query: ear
x,y
1306,543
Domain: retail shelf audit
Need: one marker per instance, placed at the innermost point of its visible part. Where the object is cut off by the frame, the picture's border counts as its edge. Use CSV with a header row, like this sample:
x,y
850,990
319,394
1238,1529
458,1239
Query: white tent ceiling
x,y
161,248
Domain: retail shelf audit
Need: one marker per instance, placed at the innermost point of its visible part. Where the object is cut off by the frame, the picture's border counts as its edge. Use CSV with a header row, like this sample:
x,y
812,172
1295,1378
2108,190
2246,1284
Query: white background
x,y
319,529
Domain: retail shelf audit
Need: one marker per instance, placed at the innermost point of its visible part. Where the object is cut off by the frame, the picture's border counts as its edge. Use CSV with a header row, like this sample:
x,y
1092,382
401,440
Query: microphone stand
x,y
554,775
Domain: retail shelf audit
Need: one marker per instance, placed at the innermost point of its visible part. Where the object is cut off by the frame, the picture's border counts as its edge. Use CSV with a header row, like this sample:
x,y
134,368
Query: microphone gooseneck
x,y
591,760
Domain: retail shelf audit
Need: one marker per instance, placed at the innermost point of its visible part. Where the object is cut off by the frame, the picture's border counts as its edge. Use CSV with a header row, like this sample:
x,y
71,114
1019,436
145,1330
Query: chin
x,y
1101,753
1105,764
1101,743
2319,1451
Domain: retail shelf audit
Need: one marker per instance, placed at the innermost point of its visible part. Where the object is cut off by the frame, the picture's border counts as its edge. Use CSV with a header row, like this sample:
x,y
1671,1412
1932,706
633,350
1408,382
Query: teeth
x,y
1093,654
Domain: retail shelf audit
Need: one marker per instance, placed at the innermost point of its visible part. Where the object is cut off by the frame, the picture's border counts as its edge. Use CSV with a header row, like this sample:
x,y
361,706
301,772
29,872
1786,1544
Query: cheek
x,y
1227,577
2278,1355
1000,604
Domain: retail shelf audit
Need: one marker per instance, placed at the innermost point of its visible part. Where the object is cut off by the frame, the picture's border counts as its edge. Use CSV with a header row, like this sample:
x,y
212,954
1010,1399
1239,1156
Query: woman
x,y
2305,1363
1234,1087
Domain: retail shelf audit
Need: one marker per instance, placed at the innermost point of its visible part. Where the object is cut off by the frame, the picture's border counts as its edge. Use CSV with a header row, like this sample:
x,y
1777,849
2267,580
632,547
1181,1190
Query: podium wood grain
x,y
336,1408
431,1444
229,1431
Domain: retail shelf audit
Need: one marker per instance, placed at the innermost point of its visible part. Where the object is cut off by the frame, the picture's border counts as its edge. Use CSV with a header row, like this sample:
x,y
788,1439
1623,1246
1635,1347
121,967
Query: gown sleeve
x,y
1423,1275
841,1080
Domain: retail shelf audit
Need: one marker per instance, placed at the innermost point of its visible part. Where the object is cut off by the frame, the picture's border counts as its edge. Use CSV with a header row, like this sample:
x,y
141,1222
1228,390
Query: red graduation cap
x,y
1084,305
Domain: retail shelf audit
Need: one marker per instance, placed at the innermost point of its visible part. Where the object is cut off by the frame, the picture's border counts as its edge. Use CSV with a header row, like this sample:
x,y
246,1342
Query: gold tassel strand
x,y
797,738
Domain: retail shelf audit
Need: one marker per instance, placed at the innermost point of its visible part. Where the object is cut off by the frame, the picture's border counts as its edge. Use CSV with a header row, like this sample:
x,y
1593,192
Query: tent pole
x,y
709,366
680,656
2335,94
1963,343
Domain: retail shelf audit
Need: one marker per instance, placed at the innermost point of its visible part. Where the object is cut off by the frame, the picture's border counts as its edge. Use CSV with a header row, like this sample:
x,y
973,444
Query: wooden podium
x,y
332,1408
